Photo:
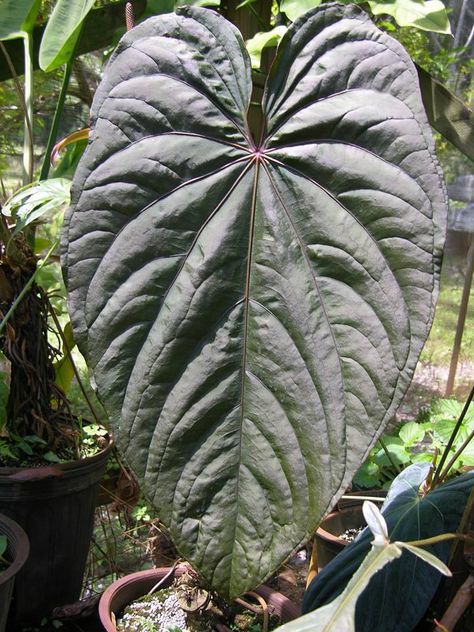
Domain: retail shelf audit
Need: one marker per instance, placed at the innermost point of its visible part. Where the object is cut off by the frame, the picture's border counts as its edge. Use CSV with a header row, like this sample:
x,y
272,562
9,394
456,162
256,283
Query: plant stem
x,y
455,456
442,538
389,456
73,364
26,287
434,539
14,253
53,132
458,606
163,579
28,156
441,474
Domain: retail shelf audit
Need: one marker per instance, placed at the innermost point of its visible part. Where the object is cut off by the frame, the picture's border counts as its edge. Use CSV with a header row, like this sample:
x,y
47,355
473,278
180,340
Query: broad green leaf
x,y
368,475
37,200
62,31
396,448
51,457
422,457
293,9
443,429
260,41
427,15
445,409
467,455
17,17
252,310
387,604
411,433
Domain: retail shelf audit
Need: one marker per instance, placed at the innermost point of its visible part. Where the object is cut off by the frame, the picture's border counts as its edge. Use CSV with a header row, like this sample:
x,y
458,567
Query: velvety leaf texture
x,y
399,595
252,312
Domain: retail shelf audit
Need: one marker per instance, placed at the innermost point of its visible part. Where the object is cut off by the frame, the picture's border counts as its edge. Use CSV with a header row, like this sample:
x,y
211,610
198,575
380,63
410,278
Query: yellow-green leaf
x,y
62,32
17,17
427,16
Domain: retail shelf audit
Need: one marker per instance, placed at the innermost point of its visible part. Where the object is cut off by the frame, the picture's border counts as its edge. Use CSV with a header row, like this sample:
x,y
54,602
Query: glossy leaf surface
x,y
252,312
398,596
339,615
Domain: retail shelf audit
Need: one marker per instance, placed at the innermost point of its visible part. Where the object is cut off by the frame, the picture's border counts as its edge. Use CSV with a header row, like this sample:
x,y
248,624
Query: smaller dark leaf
x,y
398,595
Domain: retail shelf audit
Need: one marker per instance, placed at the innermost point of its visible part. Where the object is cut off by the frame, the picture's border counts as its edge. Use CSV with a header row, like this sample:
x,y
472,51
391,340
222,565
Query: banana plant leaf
x,y
252,308
399,594
62,32
17,17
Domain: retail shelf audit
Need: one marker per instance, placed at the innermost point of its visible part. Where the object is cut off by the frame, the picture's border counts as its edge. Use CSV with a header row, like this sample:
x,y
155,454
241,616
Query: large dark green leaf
x,y
398,595
252,312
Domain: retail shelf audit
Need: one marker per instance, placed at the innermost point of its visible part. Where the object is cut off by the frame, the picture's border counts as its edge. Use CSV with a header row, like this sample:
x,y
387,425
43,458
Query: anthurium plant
x,y
398,596
252,302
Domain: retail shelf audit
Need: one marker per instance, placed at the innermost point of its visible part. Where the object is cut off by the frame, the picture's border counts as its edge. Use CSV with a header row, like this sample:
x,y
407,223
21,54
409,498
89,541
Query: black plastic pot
x,y
16,554
55,506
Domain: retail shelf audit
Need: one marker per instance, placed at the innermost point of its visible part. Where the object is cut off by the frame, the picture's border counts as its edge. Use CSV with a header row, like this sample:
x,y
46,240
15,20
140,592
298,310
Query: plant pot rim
x,y
326,535
281,604
63,467
22,548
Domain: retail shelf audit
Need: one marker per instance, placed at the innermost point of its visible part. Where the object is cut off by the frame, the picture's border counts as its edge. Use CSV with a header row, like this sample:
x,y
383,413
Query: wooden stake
x,y
461,319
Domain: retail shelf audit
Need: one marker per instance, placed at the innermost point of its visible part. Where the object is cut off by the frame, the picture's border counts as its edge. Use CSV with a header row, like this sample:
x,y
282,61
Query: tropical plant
x,y
35,419
252,300
419,441
396,597
390,606
422,15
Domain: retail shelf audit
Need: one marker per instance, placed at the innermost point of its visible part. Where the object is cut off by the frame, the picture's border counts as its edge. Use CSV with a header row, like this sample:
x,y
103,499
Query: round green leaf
x,y
411,433
252,310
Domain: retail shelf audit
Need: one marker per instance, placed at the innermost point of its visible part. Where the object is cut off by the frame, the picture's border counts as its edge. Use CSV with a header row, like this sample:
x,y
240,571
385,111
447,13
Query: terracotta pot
x,y
18,548
55,506
328,542
134,586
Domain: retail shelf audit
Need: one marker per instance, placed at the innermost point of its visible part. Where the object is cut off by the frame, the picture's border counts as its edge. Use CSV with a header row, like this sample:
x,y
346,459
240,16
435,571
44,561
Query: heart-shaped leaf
x,y
252,310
